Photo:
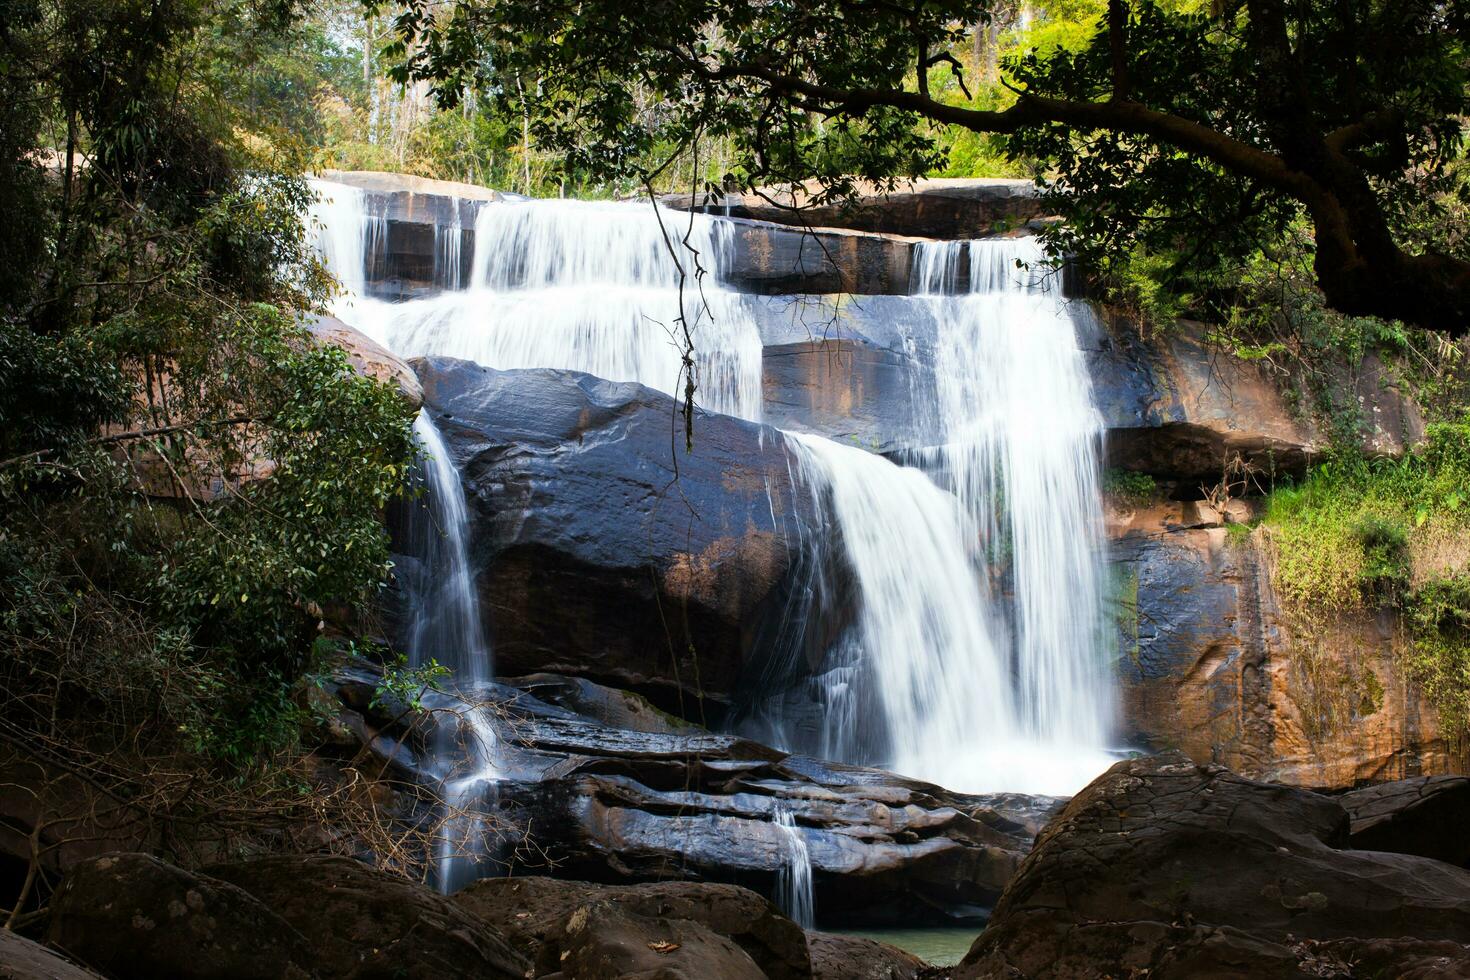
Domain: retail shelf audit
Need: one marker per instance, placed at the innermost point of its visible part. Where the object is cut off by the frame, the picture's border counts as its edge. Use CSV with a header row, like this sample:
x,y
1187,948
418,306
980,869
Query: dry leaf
x,y
663,947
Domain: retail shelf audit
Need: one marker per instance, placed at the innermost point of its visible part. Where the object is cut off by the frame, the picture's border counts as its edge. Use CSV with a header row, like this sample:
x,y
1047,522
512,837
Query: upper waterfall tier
x,y
586,286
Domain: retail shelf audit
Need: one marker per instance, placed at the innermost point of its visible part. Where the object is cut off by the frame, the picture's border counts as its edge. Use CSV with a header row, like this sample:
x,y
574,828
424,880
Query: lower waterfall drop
x,y
794,880
1021,451
445,626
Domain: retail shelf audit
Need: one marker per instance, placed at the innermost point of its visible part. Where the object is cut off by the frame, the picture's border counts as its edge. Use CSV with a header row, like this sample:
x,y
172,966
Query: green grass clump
x,y
1344,540
1438,615
1127,488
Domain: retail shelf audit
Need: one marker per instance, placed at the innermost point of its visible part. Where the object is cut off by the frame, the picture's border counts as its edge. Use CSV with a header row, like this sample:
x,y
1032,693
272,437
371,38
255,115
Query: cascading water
x,y
977,587
1020,451
794,880
346,236
445,627
587,286
927,641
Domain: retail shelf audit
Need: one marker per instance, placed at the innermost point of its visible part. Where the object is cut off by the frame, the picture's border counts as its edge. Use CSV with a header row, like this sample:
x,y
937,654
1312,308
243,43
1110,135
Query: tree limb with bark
x,y
1203,128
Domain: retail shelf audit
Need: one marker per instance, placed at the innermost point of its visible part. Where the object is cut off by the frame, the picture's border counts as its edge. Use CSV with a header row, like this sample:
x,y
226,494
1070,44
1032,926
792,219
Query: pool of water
x,y
938,947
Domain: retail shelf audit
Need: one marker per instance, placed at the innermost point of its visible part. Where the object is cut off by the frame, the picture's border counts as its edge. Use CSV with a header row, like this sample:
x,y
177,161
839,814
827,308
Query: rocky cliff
x,y
1208,662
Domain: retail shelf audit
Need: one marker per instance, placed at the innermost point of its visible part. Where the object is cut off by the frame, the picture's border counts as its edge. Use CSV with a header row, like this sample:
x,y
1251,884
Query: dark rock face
x,y
945,208
1176,408
132,916
598,558
774,259
1162,864
1427,816
616,806
361,923
535,915
858,370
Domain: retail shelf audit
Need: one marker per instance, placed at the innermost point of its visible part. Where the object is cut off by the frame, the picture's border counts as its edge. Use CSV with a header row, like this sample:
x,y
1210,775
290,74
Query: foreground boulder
x,y
364,923
549,920
134,916
1163,865
837,957
597,557
1427,815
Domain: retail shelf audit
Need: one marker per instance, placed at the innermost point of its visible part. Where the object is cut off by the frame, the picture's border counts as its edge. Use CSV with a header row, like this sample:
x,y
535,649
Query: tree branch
x,y
1118,47
1118,116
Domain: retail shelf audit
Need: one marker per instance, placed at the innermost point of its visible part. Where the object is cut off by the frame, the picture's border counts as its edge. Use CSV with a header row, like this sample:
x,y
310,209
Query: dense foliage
x,y
1203,130
1360,535
188,483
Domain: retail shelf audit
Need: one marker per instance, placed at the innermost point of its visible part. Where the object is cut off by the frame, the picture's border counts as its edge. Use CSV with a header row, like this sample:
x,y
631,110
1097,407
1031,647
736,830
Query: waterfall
x,y
1021,453
969,646
444,625
794,880
588,286
346,236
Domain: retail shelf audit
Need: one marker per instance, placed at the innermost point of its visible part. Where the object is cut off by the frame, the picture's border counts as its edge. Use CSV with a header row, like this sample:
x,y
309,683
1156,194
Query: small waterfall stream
x,y
445,627
794,880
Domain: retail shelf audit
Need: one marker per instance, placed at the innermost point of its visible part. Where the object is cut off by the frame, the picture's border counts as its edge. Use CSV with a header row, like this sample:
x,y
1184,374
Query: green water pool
x,y
938,947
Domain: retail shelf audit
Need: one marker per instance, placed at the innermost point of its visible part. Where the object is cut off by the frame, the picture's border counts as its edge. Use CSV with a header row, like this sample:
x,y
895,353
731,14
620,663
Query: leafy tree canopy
x,y
1197,127
187,480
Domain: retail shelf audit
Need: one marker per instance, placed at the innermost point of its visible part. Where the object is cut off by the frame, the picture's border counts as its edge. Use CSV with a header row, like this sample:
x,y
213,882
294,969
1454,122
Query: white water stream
x,y
1021,454
794,880
445,627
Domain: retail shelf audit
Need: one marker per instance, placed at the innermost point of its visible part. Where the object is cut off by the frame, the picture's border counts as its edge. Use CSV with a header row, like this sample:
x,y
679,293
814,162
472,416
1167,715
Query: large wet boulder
x,y
1211,664
534,913
1160,857
607,551
133,916
1426,815
619,806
